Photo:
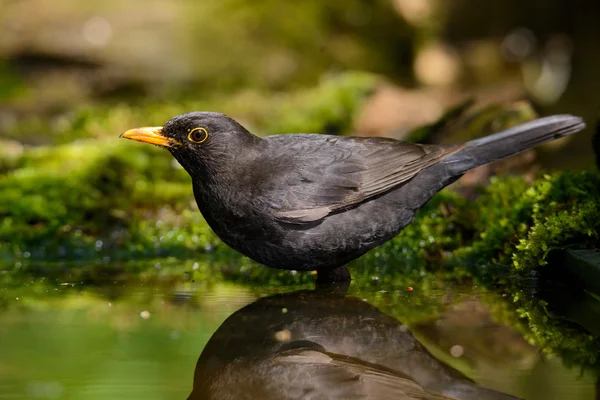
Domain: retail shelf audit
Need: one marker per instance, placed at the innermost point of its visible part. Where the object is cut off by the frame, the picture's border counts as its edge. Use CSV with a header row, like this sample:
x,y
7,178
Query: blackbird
x,y
315,201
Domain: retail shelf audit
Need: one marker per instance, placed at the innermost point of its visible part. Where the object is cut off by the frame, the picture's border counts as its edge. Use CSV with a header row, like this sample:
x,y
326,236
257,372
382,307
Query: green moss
x,y
511,223
520,225
439,228
91,196
565,212
502,215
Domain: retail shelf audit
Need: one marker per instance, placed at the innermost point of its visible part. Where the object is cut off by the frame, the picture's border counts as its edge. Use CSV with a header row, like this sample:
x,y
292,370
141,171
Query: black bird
x,y
326,346
314,201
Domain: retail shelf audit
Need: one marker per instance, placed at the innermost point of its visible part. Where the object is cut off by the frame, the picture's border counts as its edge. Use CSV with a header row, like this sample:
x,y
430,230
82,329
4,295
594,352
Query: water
x,y
177,338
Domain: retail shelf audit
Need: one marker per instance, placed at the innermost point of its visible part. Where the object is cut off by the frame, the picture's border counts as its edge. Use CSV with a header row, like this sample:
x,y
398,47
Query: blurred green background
x,y
238,57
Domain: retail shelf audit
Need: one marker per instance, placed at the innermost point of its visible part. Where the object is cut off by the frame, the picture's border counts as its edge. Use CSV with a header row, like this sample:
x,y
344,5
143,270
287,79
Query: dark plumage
x,y
311,201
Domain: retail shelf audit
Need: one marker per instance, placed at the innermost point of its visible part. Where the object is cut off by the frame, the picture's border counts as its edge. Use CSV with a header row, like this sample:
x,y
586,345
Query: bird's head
x,y
201,141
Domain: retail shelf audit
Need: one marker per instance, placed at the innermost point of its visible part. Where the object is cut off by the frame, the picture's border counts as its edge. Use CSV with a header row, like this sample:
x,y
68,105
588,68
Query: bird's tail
x,y
511,141
482,151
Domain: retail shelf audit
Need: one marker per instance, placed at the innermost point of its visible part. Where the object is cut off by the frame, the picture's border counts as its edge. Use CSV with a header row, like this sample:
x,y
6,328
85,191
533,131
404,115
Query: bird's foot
x,y
339,274
336,280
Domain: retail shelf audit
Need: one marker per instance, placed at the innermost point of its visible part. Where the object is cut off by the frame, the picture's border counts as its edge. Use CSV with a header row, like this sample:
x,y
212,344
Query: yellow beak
x,y
152,135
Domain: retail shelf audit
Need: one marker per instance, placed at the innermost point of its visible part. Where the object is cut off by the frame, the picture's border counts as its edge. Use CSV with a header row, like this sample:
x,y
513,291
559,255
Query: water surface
x,y
180,338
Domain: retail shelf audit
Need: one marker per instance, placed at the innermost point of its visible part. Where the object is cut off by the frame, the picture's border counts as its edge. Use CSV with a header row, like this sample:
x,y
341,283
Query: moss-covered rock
x,y
565,212
86,199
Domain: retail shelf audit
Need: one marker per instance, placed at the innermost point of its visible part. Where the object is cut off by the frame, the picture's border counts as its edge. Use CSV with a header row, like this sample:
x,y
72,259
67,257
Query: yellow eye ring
x,y
198,135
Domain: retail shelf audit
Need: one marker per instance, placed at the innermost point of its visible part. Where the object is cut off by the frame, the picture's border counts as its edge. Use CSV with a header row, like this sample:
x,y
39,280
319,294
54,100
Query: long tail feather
x,y
515,140
483,151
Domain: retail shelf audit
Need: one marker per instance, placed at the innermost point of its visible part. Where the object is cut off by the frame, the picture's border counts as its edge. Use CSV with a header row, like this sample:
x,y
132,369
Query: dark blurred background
x,y
60,56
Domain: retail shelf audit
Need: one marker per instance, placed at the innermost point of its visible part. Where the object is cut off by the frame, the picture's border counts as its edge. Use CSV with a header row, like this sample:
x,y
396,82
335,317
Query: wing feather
x,y
325,175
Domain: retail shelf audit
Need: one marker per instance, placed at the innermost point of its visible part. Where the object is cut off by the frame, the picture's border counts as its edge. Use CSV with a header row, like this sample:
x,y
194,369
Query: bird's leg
x,y
339,274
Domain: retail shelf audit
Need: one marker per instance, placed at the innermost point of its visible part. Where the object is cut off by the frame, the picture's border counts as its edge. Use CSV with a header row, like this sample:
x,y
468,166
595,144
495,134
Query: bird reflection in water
x,y
323,345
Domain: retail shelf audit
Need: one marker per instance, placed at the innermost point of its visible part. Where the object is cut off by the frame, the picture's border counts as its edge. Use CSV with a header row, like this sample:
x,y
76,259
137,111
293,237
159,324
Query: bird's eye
x,y
198,135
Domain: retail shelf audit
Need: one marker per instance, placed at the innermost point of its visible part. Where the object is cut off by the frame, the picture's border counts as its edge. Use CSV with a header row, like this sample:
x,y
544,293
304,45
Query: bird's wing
x,y
334,376
327,173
